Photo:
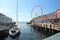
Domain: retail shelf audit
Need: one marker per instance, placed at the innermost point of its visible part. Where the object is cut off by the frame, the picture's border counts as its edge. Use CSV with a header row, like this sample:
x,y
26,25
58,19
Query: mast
x,y
17,13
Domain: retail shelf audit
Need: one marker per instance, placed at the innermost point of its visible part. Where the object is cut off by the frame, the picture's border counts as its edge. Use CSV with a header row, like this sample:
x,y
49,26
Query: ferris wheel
x,y
35,10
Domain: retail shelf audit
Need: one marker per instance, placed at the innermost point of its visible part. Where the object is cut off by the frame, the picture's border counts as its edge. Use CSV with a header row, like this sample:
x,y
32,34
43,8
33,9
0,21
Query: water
x,y
27,33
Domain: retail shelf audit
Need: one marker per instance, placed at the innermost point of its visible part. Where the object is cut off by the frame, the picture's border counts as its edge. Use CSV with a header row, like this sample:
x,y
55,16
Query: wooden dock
x,y
4,28
48,25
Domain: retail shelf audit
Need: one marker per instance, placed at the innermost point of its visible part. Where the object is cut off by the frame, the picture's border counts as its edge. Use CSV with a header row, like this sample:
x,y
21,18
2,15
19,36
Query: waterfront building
x,y
50,20
50,17
4,19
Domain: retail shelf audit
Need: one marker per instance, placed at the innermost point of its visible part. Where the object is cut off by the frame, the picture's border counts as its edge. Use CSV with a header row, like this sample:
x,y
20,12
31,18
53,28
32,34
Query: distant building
x,y
4,19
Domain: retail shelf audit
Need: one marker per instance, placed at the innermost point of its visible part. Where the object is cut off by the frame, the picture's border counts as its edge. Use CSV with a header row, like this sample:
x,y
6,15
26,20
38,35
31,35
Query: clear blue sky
x,y
8,7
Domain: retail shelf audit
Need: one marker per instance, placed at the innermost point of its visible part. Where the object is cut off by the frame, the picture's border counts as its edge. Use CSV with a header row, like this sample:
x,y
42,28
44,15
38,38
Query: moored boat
x,y
14,32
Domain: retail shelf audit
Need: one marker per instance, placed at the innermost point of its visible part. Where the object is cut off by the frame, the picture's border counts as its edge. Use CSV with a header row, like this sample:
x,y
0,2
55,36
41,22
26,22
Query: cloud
x,y
3,10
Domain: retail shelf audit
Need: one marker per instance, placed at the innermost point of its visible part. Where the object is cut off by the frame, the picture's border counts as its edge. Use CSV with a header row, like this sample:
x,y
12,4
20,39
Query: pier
x,y
49,23
4,28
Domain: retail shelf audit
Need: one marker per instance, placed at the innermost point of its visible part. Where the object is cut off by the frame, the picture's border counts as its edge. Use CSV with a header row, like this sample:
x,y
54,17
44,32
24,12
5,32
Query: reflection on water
x,y
2,38
27,33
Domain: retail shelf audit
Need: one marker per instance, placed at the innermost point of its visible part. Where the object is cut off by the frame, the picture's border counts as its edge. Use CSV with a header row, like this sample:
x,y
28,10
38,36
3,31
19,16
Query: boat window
x,y
13,31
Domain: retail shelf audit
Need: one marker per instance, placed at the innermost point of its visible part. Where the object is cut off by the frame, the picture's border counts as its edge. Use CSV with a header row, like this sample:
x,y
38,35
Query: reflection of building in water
x,y
15,38
4,19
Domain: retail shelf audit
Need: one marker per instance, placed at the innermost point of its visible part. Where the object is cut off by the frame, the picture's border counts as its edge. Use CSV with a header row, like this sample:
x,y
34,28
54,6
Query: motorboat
x,y
14,31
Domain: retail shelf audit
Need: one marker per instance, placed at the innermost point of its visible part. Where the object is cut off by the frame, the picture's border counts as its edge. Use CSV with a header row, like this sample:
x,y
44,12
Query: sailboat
x,y
15,30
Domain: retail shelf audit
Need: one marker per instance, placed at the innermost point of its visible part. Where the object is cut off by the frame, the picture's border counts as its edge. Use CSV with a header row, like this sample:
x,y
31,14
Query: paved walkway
x,y
54,37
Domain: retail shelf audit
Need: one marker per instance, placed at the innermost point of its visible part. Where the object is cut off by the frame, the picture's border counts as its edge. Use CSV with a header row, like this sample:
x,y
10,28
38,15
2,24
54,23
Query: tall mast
x,y
17,13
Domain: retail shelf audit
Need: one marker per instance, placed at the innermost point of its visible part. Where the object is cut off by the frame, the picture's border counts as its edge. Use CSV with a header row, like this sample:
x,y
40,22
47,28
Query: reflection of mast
x,y
17,13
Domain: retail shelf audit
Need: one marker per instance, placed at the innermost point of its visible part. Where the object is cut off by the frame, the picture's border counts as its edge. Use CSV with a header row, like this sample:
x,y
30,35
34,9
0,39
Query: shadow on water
x,y
3,35
46,33
15,38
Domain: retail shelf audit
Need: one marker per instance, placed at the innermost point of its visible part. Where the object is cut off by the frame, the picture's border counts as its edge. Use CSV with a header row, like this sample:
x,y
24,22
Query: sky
x,y
8,8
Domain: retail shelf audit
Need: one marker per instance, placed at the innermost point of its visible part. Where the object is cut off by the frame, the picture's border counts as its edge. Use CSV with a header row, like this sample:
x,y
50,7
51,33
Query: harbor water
x,y
27,33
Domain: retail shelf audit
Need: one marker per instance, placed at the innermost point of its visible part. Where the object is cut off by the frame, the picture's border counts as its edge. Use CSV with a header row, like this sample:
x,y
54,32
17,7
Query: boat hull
x,y
16,35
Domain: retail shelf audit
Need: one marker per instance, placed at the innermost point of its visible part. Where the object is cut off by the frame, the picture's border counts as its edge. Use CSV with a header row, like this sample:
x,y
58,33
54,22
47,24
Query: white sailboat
x,y
15,30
